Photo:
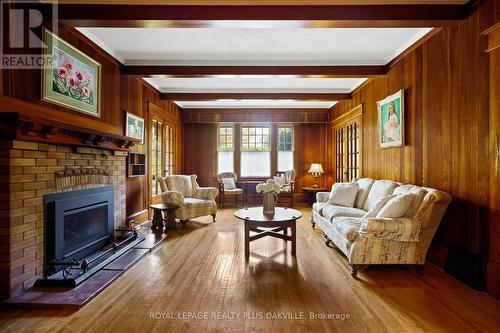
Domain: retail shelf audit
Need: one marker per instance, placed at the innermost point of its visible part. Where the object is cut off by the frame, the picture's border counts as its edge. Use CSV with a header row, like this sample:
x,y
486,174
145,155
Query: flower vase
x,y
269,202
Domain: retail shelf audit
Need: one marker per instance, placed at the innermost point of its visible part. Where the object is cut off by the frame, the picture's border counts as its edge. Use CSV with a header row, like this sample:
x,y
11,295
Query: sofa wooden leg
x,y
213,217
328,242
354,270
420,269
312,222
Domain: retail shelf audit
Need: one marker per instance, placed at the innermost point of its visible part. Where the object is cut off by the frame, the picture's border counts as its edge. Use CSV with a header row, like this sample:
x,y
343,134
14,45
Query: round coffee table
x,y
269,225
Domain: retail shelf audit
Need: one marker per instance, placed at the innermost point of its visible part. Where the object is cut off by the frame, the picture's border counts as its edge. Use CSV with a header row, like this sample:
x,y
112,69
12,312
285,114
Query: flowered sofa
x,y
193,200
366,241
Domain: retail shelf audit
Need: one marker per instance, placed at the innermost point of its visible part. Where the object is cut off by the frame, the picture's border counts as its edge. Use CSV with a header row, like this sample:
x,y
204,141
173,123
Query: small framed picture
x,y
134,127
391,120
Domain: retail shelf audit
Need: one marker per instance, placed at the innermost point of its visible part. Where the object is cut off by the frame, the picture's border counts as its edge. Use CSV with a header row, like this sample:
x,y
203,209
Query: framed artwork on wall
x,y
391,121
73,80
134,127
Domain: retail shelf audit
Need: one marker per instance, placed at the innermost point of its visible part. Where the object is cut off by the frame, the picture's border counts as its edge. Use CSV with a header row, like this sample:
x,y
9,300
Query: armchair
x,y
193,200
224,189
286,179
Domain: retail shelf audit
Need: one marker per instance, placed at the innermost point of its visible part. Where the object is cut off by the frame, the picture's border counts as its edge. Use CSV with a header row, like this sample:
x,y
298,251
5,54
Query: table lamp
x,y
316,170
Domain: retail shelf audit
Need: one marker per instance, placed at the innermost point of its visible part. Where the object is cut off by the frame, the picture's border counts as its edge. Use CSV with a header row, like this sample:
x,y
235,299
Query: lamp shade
x,y
316,168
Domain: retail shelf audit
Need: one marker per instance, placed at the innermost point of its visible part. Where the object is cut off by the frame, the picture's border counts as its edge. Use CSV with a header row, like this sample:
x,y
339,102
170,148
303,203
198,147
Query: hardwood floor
x,y
202,269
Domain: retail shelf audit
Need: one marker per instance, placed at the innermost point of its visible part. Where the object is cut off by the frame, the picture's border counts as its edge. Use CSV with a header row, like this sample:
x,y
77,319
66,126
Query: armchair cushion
x,y
173,197
397,229
182,184
206,193
228,184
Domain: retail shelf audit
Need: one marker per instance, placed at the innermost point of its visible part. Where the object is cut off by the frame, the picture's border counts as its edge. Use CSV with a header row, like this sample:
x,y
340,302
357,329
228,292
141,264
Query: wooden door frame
x,y
157,113
353,115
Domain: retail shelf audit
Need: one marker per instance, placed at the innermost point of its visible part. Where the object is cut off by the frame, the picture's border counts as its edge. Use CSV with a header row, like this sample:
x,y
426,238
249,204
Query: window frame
x,y
266,126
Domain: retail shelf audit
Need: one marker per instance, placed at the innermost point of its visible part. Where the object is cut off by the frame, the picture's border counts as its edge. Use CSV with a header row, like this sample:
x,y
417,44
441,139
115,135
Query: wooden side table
x,y
158,221
311,193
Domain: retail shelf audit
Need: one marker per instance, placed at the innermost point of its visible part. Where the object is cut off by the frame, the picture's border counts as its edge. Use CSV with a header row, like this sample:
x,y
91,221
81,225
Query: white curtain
x,y
255,164
225,161
285,160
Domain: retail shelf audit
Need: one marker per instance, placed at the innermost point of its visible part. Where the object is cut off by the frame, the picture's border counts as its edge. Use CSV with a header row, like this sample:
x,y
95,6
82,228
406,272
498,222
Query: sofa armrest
x,y
206,193
397,229
322,196
173,197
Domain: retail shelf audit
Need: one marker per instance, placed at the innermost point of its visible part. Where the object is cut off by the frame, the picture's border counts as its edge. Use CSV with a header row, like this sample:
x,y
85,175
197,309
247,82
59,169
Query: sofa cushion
x,y
378,206
364,186
419,196
318,206
343,194
347,227
379,189
397,207
331,211
181,183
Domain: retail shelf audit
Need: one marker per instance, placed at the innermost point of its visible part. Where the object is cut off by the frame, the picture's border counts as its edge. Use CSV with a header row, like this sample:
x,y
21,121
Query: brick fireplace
x,y
30,170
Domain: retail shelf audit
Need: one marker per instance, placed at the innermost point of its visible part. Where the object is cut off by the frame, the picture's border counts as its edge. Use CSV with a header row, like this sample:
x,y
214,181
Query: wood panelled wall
x,y
136,95
447,124
200,153
26,84
119,94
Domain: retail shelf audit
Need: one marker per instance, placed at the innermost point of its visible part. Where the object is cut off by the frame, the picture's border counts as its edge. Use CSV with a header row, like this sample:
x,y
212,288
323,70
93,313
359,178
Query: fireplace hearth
x,y
79,238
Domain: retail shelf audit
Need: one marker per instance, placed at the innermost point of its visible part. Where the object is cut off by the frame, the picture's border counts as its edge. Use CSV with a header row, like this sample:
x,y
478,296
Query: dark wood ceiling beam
x,y
309,71
223,95
109,15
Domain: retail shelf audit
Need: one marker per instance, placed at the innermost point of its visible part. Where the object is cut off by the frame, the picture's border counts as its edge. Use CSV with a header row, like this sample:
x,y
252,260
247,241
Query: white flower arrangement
x,y
270,186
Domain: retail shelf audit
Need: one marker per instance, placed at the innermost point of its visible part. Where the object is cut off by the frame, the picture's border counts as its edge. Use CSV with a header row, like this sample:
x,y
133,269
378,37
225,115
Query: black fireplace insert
x,y
77,223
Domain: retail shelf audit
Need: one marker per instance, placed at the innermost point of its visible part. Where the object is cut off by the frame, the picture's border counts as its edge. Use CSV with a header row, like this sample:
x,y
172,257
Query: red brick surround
x,y
27,173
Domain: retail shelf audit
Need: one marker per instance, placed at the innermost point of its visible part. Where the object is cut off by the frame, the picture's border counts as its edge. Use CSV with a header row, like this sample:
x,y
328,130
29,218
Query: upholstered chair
x,y
228,188
193,200
286,179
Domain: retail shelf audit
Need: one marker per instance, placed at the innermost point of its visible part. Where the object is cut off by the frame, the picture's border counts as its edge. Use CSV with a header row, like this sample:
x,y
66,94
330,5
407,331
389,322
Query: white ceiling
x,y
255,84
255,104
254,46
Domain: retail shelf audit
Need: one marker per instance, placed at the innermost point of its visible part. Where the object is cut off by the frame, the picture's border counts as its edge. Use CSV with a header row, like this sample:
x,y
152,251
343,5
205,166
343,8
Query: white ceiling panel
x,y
256,104
253,46
255,84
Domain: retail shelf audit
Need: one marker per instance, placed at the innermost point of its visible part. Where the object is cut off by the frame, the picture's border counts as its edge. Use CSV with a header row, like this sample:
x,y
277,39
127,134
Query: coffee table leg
x,y
247,240
294,238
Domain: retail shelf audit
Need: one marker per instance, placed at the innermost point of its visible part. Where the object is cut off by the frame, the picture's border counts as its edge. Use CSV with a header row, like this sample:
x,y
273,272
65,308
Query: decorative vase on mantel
x,y
269,190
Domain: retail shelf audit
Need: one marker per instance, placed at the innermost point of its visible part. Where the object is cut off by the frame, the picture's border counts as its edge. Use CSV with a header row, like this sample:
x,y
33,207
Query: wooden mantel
x,y
27,121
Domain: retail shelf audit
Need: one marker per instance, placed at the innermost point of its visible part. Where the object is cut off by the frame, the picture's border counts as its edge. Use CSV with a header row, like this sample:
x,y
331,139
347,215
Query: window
x,y
255,152
225,149
285,148
156,154
169,150
162,152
